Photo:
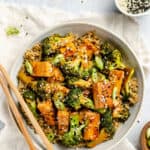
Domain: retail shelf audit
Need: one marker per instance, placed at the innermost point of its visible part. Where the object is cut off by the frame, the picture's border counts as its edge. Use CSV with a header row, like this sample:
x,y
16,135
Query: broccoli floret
x,y
97,76
76,99
30,98
106,48
76,68
121,112
50,44
29,94
84,73
71,67
72,99
58,99
114,61
41,90
56,60
99,62
85,69
28,67
76,82
70,81
74,136
107,122
86,102
50,136
32,106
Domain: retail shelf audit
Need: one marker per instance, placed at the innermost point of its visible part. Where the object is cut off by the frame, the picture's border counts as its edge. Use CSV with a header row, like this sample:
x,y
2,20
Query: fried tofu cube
x,y
63,121
56,75
47,111
41,69
103,136
91,131
102,94
24,78
117,77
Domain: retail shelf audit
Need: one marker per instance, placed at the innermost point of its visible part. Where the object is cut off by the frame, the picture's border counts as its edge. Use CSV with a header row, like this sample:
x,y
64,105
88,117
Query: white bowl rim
x,y
130,14
86,22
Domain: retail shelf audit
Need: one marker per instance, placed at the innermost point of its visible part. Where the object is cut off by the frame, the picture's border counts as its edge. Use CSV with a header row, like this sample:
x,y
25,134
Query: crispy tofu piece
x,y
24,78
102,94
69,50
91,131
47,111
56,76
42,69
116,77
63,121
103,136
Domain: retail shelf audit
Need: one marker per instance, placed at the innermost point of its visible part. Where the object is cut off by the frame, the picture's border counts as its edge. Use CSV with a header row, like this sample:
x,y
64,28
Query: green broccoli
x,y
85,69
41,89
12,31
72,99
99,62
114,61
76,99
76,82
84,73
50,136
50,44
106,48
107,122
56,60
30,98
121,112
28,67
86,102
29,94
71,67
58,98
97,76
74,136
32,106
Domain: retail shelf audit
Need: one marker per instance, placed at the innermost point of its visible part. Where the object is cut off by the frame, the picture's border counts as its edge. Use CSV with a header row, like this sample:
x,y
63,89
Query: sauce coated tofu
x,y
116,77
42,69
47,111
56,76
102,94
63,121
91,131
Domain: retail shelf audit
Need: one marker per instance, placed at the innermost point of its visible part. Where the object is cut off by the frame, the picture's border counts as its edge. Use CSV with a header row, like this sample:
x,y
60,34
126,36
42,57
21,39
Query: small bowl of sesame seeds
x,y
133,8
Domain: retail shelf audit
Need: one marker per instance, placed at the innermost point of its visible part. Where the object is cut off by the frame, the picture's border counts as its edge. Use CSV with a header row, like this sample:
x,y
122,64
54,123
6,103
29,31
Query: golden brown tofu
x,y
116,77
91,131
103,136
56,76
24,78
102,94
42,69
47,111
63,121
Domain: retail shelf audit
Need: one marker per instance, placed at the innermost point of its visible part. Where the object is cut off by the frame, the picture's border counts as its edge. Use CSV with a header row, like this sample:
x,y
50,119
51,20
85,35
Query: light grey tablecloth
x,y
31,22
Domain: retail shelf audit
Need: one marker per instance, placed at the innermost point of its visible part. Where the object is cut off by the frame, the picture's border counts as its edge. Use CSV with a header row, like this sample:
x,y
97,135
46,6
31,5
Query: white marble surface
x,y
101,6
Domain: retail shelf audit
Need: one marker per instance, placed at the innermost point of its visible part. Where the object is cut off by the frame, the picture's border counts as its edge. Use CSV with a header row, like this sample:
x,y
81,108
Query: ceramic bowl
x,y
130,14
128,56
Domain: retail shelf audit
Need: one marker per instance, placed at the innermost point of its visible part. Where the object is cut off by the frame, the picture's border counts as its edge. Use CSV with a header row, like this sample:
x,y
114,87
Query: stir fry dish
x,y
78,88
